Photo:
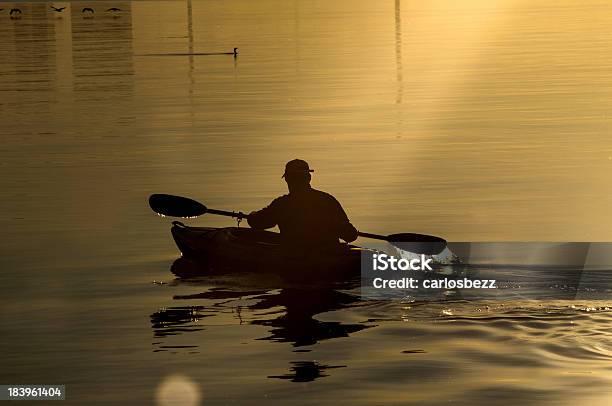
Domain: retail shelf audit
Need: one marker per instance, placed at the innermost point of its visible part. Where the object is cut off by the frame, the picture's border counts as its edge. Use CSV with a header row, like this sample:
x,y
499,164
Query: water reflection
x,y
398,53
102,56
503,116
289,313
297,325
306,371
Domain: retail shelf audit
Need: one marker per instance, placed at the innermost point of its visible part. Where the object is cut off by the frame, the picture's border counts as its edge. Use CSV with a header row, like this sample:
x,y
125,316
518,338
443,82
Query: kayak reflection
x,y
287,310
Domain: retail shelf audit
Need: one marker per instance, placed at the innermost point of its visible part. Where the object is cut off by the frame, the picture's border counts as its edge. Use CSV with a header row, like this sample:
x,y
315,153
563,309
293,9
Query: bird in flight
x,y
59,10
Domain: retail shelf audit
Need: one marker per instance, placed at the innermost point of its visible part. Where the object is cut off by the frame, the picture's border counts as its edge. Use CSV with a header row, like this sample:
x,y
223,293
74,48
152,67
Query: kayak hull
x,y
245,250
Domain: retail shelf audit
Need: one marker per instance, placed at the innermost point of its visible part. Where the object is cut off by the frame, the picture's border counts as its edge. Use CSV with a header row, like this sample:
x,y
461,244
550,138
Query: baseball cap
x,y
297,166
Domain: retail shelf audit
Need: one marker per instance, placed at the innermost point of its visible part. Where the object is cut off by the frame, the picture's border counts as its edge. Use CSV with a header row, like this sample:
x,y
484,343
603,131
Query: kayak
x,y
245,250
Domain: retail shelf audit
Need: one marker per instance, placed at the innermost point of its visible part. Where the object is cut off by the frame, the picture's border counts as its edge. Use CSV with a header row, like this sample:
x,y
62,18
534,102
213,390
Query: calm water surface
x,y
477,121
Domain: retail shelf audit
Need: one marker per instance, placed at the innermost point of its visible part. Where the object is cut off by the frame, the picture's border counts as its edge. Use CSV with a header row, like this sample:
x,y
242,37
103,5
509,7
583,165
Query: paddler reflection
x,y
306,217
295,324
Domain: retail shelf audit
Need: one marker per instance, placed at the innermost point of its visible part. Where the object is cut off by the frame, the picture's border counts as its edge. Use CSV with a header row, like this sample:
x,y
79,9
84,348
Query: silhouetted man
x,y
306,217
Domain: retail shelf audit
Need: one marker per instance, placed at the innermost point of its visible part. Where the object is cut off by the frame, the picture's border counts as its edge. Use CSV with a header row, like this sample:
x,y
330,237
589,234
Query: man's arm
x,y
346,230
264,218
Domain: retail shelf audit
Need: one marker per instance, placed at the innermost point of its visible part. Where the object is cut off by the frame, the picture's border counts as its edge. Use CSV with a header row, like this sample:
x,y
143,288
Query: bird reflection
x,y
288,312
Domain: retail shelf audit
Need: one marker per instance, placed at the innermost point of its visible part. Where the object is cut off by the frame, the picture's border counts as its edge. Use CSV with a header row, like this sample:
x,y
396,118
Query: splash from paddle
x,y
178,206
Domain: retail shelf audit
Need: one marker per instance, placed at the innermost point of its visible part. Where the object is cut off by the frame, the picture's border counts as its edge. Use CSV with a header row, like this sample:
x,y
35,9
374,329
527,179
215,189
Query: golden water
x,y
473,120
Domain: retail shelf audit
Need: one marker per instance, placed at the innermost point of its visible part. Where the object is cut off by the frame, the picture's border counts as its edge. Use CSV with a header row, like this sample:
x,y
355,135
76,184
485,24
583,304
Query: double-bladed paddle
x,y
178,206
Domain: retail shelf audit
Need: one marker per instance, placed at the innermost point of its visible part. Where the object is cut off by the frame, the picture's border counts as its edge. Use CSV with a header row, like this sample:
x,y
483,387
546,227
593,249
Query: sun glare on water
x,y
178,390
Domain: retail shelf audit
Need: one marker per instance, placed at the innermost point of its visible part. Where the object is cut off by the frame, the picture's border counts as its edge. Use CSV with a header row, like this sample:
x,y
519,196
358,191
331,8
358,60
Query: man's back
x,y
306,217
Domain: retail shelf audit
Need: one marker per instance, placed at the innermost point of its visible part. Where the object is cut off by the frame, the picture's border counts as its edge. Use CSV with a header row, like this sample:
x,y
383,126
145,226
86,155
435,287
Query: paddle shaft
x,y
240,215
177,206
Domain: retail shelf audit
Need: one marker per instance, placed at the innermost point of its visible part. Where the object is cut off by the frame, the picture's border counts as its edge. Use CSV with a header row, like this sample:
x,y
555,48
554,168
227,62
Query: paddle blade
x,y
418,243
175,206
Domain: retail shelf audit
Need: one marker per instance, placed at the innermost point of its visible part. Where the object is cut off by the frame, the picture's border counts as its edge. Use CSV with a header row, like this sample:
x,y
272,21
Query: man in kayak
x,y
306,217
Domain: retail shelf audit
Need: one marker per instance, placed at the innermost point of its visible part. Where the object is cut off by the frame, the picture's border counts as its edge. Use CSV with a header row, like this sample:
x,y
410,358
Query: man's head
x,y
297,174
